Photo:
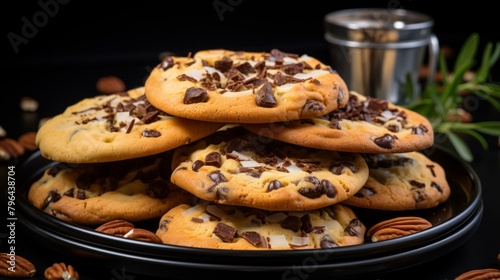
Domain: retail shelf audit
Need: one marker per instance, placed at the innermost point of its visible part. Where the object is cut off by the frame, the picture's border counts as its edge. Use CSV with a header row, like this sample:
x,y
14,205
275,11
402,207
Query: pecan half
x,y
480,274
61,271
116,227
397,227
11,148
16,266
142,235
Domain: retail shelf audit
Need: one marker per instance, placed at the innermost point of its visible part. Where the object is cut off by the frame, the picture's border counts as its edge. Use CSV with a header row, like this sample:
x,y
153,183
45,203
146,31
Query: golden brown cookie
x,y
115,127
208,225
234,168
365,125
245,87
405,181
94,193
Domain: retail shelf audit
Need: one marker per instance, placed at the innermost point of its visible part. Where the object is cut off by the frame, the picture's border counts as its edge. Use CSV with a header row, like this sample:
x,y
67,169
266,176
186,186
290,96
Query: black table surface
x,y
60,64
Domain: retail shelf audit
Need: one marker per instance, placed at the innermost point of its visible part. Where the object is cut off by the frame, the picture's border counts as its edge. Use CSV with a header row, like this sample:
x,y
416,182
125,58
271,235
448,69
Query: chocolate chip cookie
x,y
244,169
115,127
94,193
365,125
245,87
208,225
405,181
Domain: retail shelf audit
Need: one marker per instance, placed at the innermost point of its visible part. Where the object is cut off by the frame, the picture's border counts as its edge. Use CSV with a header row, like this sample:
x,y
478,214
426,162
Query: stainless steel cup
x,y
374,50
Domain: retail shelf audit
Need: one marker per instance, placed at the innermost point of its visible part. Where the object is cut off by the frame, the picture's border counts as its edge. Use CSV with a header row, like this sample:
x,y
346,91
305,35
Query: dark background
x,y
79,41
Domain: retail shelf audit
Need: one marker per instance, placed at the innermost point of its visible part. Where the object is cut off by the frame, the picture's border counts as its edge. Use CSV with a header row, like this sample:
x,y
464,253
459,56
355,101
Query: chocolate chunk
x,y
222,193
327,242
151,133
310,193
365,191
376,105
213,159
197,220
225,232
313,105
167,62
217,178
292,69
328,189
274,185
419,130
307,226
292,223
437,186
386,141
431,168
417,184
197,164
52,196
185,77
253,237
223,64
80,194
150,117
70,192
246,68
338,167
265,96
351,228
195,95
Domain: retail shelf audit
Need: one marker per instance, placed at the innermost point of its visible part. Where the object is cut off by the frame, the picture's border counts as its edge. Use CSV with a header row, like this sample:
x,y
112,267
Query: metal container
x,y
375,50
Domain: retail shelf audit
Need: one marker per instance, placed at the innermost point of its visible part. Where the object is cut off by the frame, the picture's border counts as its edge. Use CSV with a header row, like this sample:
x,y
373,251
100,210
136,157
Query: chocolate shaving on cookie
x,y
236,167
364,125
405,181
95,193
215,226
115,127
245,87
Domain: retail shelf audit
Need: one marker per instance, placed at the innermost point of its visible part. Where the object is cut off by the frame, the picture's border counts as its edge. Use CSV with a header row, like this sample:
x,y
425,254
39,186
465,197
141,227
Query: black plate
x,y
453,223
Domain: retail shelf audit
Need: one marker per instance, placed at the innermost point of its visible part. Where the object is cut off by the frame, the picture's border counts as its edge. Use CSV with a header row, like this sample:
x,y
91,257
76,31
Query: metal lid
x,y
377,25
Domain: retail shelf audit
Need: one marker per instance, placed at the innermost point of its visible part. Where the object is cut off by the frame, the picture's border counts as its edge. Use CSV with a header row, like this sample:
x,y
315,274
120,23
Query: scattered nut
x,y
110,85
28,104
143,235
397,227
116,227
10,149
3,133
61,271
480,274
15,266
27,140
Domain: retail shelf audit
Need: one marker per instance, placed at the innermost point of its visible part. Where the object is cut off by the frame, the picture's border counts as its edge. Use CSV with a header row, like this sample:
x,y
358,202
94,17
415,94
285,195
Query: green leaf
x,y
496,55
467,52
484,69
460,146
490,128
474,134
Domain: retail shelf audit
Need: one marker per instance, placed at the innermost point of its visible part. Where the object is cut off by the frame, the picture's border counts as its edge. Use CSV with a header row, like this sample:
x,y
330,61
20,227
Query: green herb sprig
x,y
440,103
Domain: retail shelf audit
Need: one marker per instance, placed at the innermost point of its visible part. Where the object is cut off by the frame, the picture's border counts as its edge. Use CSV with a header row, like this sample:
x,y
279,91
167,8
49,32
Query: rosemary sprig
x,y
440,103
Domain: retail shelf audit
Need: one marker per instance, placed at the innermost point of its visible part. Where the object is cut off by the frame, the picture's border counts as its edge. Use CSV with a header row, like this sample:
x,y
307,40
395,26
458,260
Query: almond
x,y
480,274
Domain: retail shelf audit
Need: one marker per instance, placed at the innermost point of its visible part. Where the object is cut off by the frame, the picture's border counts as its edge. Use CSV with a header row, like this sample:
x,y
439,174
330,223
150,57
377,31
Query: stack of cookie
x,y
264,150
